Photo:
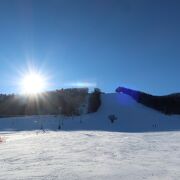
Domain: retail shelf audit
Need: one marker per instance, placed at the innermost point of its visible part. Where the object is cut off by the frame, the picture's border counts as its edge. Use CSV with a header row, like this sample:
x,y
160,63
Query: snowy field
x,y
89,155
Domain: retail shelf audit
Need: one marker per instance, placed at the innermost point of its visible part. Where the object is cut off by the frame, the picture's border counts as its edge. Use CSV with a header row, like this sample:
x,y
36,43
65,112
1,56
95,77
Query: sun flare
x,y
33,83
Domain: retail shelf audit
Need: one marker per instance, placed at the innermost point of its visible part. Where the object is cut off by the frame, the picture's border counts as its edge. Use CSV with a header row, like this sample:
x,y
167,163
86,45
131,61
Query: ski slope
x,y
79,155
141,144
131,117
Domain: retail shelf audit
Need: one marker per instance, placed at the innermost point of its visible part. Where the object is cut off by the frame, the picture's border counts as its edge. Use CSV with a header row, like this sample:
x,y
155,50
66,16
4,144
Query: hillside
x,y
92,146
167,104
129,115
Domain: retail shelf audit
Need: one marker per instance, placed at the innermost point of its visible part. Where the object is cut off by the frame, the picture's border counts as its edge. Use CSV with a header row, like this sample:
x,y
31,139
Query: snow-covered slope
x,y
90,155
93,155
131,117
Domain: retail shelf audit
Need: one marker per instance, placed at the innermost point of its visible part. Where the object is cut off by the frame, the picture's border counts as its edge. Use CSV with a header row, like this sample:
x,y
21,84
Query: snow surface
x,y
89,155
141,144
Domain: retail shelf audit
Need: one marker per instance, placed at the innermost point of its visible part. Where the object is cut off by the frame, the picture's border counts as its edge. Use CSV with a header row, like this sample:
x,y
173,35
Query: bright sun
x,y
33,83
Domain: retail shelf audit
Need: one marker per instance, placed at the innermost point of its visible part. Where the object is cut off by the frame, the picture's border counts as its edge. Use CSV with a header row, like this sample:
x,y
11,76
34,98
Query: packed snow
x,y
90,155
140,144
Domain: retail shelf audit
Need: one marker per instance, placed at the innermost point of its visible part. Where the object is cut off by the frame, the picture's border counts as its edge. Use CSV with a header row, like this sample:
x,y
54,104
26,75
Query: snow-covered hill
x,y
108,151
131,117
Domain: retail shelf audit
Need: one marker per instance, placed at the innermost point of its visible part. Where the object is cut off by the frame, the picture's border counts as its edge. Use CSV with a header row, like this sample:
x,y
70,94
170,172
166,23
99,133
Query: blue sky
x,y
110,43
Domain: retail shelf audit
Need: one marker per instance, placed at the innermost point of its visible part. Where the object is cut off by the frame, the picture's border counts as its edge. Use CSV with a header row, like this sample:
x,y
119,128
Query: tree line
x,y
168,104
68,102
